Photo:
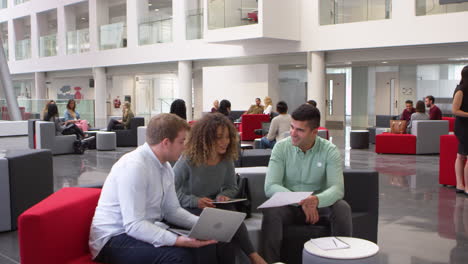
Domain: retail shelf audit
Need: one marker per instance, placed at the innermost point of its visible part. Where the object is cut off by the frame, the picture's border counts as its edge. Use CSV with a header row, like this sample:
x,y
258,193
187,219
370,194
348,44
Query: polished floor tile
x,y
419,220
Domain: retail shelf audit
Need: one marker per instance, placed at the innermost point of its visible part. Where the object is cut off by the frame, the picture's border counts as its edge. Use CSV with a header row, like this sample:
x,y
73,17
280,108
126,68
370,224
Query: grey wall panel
x,y
5,210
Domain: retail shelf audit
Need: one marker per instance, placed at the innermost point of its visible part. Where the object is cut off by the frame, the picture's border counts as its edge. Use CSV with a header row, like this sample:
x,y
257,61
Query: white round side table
x,y
360,251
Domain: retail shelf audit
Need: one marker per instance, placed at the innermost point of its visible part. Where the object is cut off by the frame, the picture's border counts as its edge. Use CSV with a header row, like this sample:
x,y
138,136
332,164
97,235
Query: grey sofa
x,y
45,138
26,178
428,134
361,192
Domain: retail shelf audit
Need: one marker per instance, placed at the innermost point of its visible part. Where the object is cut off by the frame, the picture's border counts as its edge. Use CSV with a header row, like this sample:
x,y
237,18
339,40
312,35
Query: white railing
x,y
113,36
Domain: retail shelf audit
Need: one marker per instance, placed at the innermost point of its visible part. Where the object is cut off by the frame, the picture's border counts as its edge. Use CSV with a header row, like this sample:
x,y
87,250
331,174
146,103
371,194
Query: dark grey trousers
x,y
274,219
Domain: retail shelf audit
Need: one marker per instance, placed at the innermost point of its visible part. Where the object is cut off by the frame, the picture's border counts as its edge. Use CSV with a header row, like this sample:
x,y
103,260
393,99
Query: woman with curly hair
x,y
205,174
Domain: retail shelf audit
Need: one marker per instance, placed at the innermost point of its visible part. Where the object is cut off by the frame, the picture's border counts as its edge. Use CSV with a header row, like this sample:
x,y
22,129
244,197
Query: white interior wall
x,y
198,93
120,86
238,84
359,97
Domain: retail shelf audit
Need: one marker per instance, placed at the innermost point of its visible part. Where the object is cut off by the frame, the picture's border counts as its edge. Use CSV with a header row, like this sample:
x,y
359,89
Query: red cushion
x,y
451,123
250,123
395,143
448,155
56,230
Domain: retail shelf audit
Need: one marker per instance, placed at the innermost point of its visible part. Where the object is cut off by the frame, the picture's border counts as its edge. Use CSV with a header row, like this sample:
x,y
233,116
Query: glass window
x,y
347,11
432,7
232,13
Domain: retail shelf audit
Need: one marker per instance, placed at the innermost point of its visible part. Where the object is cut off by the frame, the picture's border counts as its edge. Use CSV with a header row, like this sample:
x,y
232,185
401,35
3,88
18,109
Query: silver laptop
x,y
214,224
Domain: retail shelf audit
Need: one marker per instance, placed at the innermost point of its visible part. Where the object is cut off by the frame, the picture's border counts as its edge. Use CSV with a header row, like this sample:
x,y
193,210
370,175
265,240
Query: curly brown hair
x,y
202,139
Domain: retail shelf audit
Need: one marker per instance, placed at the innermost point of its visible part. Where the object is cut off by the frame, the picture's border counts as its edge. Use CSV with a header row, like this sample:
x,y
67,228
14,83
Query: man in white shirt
x,y
137,196
279,125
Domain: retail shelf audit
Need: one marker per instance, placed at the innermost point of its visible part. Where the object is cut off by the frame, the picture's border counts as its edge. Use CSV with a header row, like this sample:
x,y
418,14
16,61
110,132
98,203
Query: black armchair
x,y
129,137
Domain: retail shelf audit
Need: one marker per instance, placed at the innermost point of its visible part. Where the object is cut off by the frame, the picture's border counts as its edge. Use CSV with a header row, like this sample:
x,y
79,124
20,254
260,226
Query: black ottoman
x,y
26,178
359,139
255,157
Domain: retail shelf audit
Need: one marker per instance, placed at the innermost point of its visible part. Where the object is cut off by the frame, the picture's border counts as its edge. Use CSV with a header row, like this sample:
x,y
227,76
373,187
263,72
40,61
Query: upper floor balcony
x,y
228,20
23,49
78,41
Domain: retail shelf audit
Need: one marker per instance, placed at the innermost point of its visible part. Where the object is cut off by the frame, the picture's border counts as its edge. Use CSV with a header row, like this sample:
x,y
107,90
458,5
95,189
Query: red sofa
x,y
250,123
56,230
448,155
395,143
451,123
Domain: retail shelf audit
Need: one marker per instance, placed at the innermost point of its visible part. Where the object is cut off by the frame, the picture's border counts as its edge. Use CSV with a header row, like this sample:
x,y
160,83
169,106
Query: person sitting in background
x,y
62,128
123,123
178,108
73,116
434,111
409,110
215,107
225,109
279,125
205,174
255,109
312,103
420,114
44,110
268,105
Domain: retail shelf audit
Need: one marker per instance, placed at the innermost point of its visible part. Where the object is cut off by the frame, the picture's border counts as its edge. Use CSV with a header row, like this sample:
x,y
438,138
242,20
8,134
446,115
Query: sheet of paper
x,y
231,201
284,198
329,243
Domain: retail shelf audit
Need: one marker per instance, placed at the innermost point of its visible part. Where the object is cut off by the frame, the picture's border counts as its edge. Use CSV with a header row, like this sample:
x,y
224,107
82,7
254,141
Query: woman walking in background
x,y
460,110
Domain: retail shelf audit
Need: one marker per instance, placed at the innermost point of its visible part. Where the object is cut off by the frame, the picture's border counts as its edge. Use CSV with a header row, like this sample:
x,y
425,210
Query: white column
x,y
132,23
11,40
61,31
185,85
40,85
316,82
34,36
179,23
100,94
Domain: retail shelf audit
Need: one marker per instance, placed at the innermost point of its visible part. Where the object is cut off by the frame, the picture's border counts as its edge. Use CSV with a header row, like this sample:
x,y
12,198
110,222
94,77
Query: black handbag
x,y
245,206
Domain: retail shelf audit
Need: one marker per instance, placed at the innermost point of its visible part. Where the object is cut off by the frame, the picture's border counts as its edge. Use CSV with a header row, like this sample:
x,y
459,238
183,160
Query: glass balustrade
x,y
78,41
48,45
23,49
232,13
3,4
347,11
194,24
431,7
155,29
33,108
17,2
113,36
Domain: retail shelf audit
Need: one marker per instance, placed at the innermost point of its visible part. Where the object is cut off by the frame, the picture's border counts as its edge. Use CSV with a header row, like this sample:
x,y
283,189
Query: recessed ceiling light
x,y
156,10
150,4
384,62
83,18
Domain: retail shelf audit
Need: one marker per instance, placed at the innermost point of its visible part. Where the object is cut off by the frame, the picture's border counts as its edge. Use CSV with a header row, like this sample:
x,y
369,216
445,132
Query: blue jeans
x,y
267,143
124,249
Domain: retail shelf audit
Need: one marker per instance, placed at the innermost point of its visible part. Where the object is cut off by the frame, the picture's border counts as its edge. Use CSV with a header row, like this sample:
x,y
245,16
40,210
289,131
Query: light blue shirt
x,y
137,195
67,116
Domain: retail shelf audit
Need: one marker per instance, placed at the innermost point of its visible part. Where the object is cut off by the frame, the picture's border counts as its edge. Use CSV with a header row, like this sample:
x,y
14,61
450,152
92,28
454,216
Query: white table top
x,y
360,131
359,248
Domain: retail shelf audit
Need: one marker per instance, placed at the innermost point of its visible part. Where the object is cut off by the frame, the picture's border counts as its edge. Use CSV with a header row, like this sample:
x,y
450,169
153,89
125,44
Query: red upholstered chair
x,y
448,155
395,143
56,230
325,131
250,123
451,123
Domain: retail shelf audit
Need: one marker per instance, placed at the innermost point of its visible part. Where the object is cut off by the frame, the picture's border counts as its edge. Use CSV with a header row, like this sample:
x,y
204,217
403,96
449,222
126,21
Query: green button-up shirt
x,y
319,169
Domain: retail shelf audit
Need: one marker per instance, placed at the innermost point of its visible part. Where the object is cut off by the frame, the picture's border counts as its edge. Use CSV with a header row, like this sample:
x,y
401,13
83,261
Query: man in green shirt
x,y
304,162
